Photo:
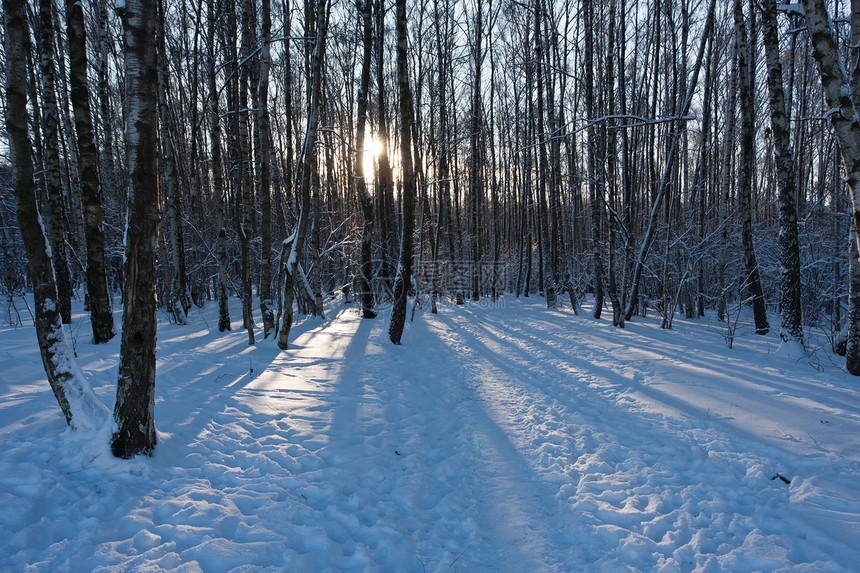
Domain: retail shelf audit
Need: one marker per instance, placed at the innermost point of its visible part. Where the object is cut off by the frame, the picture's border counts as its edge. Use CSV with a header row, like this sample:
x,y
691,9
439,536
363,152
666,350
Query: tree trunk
x,y
404,270
80,406
594,170
245,221
178,301
264,160
217,175
308,164
789,281
846,125
101,313
53,214
745,171
476,190
135,396
365,269
384,173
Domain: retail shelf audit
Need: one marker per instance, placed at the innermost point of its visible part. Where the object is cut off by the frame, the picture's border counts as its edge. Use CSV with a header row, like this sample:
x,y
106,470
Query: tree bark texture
x,y
77,401
789,282
365,270
135,397
745,175
404,270
101,311
846,125
53,214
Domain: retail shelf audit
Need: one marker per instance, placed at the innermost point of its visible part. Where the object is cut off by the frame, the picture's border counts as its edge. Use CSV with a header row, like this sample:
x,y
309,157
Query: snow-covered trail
x,y
502,439
682,492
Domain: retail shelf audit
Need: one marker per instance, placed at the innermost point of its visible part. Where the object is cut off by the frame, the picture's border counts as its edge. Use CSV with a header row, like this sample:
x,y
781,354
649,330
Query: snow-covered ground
x,y
508,438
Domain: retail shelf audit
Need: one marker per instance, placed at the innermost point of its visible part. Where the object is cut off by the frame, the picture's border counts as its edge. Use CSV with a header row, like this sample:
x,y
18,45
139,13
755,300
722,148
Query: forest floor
x,y
506,438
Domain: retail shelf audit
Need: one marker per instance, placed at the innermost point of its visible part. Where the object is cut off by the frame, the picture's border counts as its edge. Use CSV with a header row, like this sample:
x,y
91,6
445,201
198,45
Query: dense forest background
x,y
620,149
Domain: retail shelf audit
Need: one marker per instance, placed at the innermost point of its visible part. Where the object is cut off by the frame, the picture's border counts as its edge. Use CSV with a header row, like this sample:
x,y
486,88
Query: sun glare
x,y
372,149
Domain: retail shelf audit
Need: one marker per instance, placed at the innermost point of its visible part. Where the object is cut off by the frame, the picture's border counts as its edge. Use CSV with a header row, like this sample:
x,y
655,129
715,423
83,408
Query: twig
x,y
460,555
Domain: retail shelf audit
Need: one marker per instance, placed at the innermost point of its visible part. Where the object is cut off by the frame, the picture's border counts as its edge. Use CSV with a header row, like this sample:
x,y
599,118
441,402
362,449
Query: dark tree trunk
x,y
217,174
101,313
245,220
135,395
267,305
178,301
365,267
745,171
789,282
404,271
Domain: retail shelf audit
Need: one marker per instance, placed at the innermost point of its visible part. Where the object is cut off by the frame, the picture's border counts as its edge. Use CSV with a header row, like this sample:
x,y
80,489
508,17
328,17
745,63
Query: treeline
x,y
672,155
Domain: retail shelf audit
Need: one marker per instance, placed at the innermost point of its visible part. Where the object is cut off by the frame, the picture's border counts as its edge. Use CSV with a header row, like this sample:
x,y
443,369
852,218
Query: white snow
x,y
494,439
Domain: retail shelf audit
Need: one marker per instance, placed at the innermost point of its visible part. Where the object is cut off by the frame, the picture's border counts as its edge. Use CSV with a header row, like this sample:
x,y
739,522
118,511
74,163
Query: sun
x,y
372,149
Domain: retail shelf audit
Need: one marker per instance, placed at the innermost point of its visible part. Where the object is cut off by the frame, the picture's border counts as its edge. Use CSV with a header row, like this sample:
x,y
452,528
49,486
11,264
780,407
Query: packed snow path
x,y
503,439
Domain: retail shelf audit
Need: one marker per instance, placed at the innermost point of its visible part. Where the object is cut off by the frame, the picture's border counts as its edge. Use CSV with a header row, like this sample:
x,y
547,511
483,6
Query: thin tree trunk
x,y
245,218
217,174
53,215
745,171
178,302
595,183
264,159
789,282
384,173
365,269
308,164
101,313
404,271
611,167
476,190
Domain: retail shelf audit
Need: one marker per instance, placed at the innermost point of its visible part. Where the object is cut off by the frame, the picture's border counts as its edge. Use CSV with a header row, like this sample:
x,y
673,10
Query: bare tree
x,y
365,269
404,270
53,214
789,283
101,313
745,170
321,8
79,405
135,395
846,125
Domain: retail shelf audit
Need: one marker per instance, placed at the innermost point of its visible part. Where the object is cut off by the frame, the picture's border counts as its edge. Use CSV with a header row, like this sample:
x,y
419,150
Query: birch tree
x,y
789,282
365,269
80,407
135,395
846,124
55,207
404,269
308,164
745,181
101,311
